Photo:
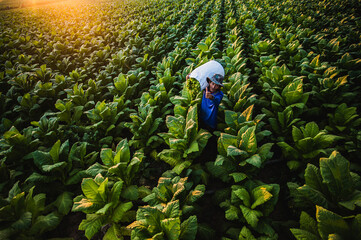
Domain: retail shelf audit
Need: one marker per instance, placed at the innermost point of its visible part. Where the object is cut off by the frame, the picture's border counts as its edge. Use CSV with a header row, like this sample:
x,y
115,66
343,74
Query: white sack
x,y
205,71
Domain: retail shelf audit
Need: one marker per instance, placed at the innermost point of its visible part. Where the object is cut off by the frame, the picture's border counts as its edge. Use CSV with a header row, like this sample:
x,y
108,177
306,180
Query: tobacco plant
x,y
309,142
144,126
163,222
328,225
119,165
251,203
103,205
239,155
176,188
61,164
26,216
186,142
331,186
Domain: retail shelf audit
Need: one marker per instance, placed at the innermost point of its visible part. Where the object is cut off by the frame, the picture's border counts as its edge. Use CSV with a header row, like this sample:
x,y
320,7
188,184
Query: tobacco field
x,y
99,135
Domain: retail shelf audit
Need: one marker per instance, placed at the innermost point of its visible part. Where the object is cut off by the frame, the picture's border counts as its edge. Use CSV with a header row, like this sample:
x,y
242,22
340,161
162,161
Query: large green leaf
x,y
189,228
181,166
353,201
231,118
336,174
238,177
178,144
41,158
313,178
54,152
191,130
122,152
131,193
311,130
202,138
64,202
234,152
255,160
107,157
172,209
314,195
151,215
113,233
232,213
121,210
23,223
224,141
176,125
54,167
251,216
171,228
104,210
90,189
308,223
246,234
296,134
97,168
243,195
197,193
116,191
260,196
330,223
306,145
248,141
103,190
293,92
91,224
301,234
45,223
170,156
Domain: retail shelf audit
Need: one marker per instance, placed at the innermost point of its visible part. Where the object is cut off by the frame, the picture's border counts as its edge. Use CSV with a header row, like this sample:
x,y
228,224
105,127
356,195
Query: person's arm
x,y
217,100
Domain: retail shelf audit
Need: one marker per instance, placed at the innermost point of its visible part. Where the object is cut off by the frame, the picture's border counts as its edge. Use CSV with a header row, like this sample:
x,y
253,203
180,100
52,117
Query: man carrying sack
x,y
210,76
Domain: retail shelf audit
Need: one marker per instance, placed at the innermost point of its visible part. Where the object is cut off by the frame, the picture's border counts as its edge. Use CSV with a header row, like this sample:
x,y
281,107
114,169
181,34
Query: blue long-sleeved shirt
x,y
209,109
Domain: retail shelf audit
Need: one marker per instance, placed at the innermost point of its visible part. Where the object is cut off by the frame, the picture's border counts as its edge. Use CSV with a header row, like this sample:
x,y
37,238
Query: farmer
x,y
212,96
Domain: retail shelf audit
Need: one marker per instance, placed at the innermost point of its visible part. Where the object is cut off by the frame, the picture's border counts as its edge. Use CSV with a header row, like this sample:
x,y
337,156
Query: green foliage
x,y
144,127
24,216
251,203
309,143
15,147
239,155
47,130
103,205
68,112
184,102
287,106
344,120
239,94
163,222
328,226
332,186
62,163
193,87
186,142
176,188
118,164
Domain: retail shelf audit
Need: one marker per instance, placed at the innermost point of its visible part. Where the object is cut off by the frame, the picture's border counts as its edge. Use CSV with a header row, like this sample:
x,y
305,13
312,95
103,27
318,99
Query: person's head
x,y
215,82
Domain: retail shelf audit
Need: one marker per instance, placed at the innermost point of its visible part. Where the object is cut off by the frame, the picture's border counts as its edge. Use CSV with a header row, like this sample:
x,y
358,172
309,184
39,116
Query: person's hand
x,y
209,94
187,77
